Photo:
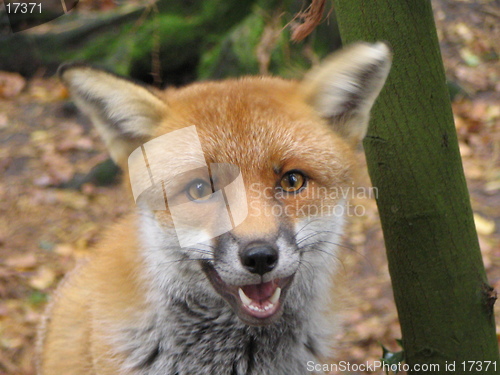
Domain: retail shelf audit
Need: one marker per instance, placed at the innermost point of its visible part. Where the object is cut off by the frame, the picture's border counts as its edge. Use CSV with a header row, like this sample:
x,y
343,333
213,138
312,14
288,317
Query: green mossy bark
x,y
444,302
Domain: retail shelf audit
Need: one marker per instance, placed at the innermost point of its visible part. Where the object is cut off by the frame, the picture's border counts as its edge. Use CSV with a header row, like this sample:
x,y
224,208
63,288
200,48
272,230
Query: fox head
x,y
241,176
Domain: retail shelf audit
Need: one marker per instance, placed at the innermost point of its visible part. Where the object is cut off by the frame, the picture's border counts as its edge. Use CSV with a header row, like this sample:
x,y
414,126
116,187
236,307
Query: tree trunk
x,y
444,301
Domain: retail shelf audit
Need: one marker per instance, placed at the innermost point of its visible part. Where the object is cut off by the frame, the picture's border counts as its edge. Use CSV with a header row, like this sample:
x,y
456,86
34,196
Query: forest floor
x,y
45,229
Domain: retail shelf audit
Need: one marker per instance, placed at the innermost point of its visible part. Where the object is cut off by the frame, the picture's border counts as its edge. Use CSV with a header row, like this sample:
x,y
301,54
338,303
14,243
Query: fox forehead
x,y
257,123
262,125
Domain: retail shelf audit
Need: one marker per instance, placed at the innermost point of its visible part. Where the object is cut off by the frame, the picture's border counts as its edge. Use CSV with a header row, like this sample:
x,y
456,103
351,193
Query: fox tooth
x,y
244,298
276,296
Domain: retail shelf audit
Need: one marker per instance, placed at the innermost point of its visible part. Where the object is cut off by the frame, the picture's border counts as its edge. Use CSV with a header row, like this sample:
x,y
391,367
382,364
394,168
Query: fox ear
x,y
124,113
344,87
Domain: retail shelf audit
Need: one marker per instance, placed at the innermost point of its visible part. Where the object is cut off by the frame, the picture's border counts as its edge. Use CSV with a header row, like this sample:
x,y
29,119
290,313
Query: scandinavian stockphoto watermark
x,y
207,200
310,202
171,171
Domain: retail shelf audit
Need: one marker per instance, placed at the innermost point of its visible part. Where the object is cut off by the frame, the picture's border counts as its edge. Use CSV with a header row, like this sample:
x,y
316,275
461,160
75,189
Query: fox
x,y
227,262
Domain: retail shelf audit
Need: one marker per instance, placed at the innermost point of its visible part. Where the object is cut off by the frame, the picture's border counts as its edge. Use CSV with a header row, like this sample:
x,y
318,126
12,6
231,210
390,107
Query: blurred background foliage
x,y
174,41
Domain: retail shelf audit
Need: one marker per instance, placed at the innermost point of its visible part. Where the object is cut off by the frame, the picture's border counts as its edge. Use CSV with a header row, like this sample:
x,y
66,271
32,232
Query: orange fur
x,y
265,126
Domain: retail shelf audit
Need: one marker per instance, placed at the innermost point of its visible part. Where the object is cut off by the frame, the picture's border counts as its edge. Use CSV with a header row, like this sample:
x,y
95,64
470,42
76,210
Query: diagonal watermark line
x,y
63,3
147,165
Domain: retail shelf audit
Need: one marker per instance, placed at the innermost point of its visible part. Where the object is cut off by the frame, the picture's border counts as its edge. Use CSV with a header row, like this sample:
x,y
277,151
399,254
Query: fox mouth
x,y
255,304
260,300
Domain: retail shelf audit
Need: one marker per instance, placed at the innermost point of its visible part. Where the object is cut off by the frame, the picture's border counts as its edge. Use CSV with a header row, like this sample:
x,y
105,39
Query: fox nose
x,y
259,258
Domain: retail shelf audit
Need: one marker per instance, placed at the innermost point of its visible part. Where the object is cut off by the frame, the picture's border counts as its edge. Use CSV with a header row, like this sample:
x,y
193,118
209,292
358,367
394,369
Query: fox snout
x,y
259,257
250,260
254,273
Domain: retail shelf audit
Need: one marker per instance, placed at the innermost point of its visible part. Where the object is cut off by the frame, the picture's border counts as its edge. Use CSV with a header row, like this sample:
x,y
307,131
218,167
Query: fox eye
x,y
199,190
292,181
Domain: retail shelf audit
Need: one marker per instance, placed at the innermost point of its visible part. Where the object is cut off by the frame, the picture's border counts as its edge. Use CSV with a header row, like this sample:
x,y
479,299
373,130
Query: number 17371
x,y
479,365
24,7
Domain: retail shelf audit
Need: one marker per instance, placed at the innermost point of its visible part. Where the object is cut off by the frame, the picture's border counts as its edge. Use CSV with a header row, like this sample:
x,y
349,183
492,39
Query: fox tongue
x,y
260,292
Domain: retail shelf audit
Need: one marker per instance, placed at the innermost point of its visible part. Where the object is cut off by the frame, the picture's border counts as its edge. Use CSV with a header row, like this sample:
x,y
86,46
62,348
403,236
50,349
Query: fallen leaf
x,y
83,143
4,120
47,90
492,186
39,136
59,168
465,150
43,180
11,84
64,249
12,342
473,171
464,31
44,278
72,199
483,225
21,262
